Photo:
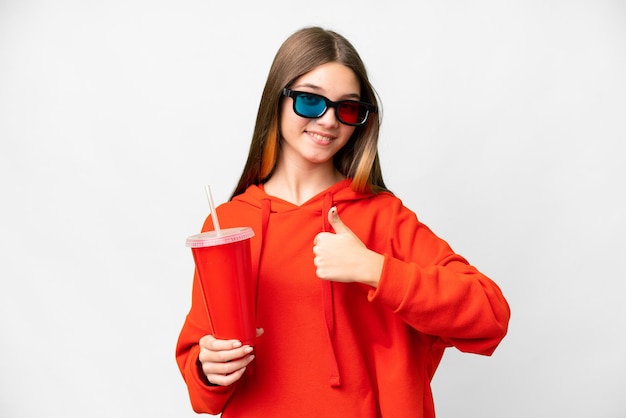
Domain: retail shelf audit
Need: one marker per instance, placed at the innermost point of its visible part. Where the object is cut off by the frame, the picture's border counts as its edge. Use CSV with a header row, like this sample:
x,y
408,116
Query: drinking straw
x,y
216,222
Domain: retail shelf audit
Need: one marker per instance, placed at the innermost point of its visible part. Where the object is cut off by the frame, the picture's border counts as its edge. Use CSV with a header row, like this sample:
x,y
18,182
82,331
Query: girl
x,y
357,299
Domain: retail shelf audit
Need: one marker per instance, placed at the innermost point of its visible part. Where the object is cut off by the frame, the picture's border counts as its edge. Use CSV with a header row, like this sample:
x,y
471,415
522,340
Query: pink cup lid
x,y
228,236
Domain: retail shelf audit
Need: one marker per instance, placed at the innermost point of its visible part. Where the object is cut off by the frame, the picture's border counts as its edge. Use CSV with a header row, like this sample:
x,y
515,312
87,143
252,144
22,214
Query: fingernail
x,y
248,350
237,344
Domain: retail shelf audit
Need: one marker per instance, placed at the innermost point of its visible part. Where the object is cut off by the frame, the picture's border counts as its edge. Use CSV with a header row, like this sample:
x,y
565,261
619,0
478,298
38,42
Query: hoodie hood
x,y
318,206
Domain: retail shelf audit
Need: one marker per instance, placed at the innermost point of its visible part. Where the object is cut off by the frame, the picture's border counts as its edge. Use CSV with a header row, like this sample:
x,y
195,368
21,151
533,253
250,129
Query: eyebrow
x,y
317,90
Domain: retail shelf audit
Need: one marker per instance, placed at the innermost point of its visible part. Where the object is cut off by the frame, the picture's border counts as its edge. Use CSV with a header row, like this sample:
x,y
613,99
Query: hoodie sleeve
x,y
436,291
204,398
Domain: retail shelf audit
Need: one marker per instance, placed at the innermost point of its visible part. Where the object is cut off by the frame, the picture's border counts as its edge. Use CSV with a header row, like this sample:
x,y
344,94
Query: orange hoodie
x,y
345,350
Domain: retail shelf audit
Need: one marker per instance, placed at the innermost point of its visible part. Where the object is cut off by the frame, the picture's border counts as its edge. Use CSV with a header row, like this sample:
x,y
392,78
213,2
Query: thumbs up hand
x,y
342,256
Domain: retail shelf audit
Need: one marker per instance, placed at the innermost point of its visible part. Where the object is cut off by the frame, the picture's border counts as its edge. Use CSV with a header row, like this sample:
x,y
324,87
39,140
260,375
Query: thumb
x,y
336,222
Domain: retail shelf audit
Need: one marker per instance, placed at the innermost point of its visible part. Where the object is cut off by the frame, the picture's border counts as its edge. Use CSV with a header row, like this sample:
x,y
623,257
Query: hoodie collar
x,y
340,192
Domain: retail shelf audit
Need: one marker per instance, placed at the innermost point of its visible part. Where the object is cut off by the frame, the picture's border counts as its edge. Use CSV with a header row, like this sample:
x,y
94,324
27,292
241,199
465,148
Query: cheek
x,y
288,121
346,133
285,108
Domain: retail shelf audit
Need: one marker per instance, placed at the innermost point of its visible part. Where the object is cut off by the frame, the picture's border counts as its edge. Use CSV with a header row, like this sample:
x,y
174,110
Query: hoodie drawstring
x,y
265,219
328,302
266,206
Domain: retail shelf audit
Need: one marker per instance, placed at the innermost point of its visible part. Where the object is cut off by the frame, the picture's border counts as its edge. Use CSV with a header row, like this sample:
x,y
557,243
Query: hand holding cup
x,y
224,362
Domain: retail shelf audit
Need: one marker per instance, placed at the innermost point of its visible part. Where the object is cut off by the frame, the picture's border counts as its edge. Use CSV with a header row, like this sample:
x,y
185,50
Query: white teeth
x,y
321,138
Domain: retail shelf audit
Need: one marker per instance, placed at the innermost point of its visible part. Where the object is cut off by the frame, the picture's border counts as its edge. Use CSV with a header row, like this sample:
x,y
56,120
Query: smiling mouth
x,y
321,138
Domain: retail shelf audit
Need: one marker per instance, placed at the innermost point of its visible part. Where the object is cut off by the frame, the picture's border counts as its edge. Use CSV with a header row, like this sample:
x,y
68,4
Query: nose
x,y
329,118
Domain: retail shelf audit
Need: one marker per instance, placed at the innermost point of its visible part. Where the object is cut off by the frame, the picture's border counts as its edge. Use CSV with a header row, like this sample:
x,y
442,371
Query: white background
x,y
504,129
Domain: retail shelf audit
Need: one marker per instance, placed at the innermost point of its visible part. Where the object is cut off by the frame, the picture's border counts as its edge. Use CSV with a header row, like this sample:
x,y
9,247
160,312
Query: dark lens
x,y
309,105
351,112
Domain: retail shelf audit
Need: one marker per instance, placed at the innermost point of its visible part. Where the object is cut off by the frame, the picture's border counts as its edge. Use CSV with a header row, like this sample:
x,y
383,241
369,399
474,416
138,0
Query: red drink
x,y
224,268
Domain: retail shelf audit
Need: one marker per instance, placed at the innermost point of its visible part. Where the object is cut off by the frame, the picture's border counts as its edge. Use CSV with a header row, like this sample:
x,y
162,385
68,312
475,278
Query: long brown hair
x,y
303,51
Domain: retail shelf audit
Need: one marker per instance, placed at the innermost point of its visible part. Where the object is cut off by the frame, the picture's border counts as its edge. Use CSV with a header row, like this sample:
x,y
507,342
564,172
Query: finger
x,y
211,343
317,242
225,380
226,368
224,356
221,351
225,374
336,222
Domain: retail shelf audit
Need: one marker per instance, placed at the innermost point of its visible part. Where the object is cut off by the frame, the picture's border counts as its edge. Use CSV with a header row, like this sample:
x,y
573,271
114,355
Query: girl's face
x,y
310,143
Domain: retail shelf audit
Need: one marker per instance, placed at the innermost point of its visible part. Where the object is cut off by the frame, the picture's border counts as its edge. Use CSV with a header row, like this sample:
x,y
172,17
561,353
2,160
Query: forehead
x,y
330,78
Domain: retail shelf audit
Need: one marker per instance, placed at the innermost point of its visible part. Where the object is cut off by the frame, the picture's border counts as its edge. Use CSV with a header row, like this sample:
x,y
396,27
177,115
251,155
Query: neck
x,y
296,185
